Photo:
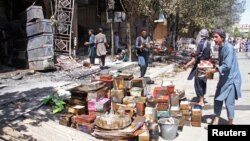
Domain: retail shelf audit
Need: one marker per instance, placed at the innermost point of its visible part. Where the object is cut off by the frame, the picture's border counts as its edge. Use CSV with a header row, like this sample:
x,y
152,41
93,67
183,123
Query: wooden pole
x,y
112,35
129,41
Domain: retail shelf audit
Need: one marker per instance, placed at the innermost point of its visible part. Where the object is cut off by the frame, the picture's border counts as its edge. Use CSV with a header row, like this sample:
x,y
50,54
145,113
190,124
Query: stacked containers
x,y
40,40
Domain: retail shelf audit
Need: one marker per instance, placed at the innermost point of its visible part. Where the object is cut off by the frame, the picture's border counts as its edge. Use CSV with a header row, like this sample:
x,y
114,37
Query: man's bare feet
x,y
230,122
201,102
216,120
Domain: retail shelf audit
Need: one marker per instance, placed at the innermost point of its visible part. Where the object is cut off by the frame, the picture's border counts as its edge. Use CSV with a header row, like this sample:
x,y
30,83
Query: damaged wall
x,y
160,32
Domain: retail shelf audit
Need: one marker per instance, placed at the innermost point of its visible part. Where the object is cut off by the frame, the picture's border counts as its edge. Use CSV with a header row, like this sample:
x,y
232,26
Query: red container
x,y
160,91
163,99
106,77
85,119
140,109
170,89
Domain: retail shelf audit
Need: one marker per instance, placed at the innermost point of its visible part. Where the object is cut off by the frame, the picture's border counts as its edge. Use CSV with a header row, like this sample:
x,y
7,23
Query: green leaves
x,y
47,99
59,104
194,14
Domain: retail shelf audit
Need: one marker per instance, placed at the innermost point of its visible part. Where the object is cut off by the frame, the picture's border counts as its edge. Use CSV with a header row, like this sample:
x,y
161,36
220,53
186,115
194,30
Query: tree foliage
x,y
193,14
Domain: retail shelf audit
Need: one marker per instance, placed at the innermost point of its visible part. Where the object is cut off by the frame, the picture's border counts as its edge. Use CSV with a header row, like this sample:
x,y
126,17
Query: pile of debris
x,y
118,106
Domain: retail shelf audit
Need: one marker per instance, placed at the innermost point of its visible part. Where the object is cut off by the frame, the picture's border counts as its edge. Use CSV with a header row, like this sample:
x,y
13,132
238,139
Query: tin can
x,y
151,102
153,131
140,108
170,89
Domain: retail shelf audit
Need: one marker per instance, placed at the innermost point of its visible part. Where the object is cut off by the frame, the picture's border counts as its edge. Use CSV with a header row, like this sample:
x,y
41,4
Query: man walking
x,y
229,85
143,46
101,43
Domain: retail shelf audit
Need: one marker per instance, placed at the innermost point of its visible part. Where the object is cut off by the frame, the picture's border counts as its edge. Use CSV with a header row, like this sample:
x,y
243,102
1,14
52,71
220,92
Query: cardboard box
x,y
128,100
126,76
99,106
85,119
185,112
139,82
74,101
196,112
184,105
196,118
136,91
85,127
65,119
196,124
77,110
97,94
144,136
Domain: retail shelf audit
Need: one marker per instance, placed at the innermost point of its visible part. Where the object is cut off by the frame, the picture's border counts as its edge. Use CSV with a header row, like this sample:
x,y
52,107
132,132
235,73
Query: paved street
x,y
40,125
242,112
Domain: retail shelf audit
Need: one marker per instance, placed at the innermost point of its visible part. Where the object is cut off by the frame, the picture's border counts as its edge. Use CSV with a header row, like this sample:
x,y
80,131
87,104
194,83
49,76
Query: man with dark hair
x,y
229,85
91,45
143,46
101,43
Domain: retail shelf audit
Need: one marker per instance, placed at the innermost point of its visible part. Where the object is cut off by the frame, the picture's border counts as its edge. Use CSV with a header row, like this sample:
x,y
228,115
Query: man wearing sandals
x,y
229,85
203,52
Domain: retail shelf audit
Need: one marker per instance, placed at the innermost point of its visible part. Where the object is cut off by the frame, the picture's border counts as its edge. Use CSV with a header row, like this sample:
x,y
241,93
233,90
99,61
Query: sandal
x,y
201,104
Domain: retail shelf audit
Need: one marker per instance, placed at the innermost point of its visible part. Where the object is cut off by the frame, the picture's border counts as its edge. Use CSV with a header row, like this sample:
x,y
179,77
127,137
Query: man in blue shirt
x,y
91,45
229,85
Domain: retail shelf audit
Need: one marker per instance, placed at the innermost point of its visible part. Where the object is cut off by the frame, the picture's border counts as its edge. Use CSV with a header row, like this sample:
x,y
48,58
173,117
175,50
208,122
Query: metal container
x,y
38,27
151,102
170,89
140,109
34,13
136,91
45,51
153,131
151,114
169,127
40,41
42,63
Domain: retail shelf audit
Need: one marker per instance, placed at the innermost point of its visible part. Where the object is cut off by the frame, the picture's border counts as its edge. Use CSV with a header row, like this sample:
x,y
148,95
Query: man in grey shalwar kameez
x,y
229,85
101,42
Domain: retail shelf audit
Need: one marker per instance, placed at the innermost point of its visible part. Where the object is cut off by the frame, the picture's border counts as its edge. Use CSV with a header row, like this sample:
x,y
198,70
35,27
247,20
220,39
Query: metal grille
x,y
64,10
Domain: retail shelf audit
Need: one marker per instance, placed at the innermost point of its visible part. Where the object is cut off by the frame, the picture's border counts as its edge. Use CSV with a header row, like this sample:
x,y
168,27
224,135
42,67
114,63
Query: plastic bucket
x,y
169,127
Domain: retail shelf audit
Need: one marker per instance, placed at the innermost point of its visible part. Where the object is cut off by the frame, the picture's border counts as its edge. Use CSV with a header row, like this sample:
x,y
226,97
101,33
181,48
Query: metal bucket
x,y
169,127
